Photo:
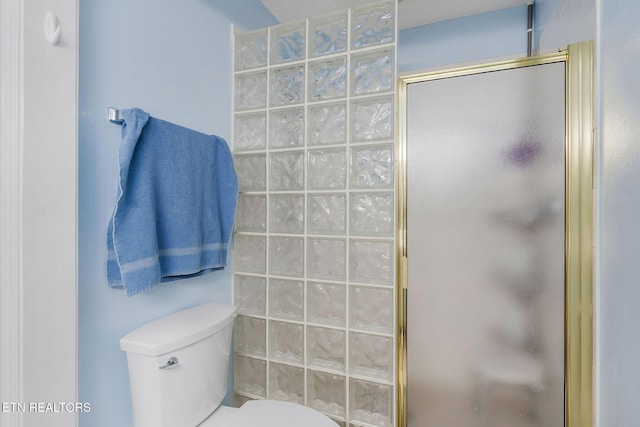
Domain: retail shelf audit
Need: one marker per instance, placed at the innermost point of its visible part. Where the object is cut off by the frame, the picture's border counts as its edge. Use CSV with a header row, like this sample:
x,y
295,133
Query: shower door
x,y
485,156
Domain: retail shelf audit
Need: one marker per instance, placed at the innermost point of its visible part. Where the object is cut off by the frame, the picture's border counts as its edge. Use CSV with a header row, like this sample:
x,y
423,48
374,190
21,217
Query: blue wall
x,y
570,21
618,276
172,59
495,35
473,38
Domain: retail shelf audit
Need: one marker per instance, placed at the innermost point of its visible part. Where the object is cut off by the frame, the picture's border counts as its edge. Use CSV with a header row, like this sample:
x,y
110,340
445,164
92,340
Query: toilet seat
x,y
273,413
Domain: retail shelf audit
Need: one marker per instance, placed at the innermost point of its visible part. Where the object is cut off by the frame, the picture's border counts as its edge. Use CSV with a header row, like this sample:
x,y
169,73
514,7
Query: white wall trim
x,y
11,206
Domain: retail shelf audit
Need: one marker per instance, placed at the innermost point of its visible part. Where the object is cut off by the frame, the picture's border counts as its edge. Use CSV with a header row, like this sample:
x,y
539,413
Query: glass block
x,y
251,213
326,348
370,402
251,50
327,79
250,295
250,375
326,259
286,256
371,262
373,72
287,85
326,214
252,171
287,171
250,336
288,42
371,309
327,169
328,34
286,299
372,119
326,392
251,90
372,24
371,214
250,254
371,356
286,383
326,303
250,132
287,213
372,166
286,128
327,124
286,341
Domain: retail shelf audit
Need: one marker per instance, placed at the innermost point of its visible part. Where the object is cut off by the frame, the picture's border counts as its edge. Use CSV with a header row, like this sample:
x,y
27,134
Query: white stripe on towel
x,y
192,250
150,261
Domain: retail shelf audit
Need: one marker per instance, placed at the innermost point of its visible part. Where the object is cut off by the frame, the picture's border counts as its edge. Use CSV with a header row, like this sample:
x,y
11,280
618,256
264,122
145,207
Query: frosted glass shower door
x,y
486,249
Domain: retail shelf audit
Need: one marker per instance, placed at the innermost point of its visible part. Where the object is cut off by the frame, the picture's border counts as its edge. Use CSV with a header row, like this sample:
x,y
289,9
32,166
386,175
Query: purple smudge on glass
x,y
524,153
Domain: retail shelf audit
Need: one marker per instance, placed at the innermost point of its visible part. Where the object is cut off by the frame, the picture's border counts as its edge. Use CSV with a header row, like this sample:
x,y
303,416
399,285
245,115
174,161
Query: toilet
x,y
178,368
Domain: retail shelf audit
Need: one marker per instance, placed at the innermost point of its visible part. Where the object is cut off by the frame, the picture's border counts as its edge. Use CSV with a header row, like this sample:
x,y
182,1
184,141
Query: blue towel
x,y
176,204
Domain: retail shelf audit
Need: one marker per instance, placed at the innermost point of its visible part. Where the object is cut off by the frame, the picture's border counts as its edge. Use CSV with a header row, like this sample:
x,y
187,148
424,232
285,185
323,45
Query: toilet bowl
x,y
178,368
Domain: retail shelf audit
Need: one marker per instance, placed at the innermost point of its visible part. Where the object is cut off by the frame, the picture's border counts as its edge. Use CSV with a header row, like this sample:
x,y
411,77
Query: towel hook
x,y
52,28
113,115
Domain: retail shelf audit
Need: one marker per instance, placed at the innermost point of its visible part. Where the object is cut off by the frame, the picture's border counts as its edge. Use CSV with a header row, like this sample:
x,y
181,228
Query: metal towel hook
x,y
114,116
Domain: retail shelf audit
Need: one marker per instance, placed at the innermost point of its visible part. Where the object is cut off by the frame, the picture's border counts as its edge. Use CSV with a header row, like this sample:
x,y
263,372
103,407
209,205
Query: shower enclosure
x,y
495,244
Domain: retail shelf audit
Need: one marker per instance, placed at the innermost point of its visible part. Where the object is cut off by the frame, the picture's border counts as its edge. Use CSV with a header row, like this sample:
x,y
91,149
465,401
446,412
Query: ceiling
x,y
411,13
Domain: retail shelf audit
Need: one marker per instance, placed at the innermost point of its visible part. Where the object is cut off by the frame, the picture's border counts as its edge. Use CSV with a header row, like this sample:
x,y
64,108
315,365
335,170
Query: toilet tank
x,y
178,366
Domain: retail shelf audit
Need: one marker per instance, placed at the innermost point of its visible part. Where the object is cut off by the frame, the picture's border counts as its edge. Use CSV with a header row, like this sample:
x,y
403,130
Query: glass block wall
x,y
314,243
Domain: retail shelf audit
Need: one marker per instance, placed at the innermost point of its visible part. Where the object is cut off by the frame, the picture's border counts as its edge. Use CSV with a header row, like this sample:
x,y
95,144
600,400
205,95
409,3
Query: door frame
x,y
579,220
38,212
11,215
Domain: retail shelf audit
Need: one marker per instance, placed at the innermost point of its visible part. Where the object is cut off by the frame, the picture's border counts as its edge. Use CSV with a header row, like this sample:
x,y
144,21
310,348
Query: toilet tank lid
x,y
178,330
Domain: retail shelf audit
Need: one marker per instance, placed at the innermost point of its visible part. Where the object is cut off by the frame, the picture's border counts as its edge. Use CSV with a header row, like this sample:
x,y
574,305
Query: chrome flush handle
x,y
171,362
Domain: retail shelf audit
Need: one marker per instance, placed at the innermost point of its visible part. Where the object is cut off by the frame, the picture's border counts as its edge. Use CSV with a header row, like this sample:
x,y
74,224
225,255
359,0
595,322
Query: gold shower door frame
x,y
579,143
